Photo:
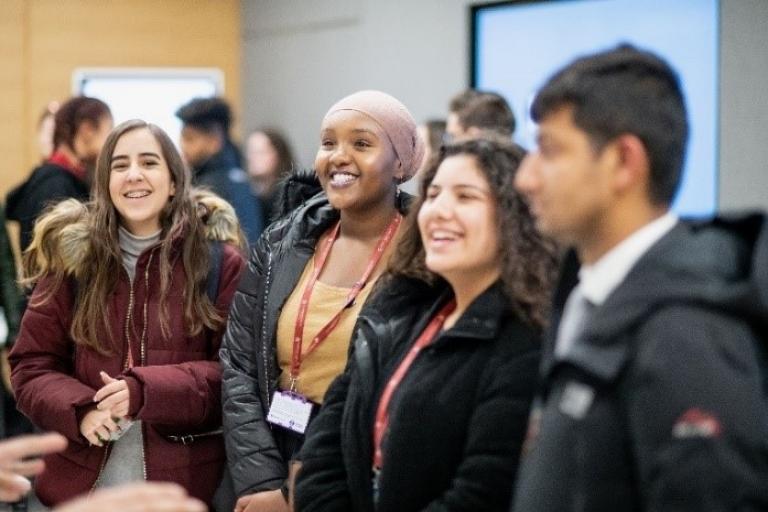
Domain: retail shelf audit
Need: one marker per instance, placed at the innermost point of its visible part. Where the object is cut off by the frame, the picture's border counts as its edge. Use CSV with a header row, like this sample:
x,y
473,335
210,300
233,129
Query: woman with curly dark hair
x,y
431,411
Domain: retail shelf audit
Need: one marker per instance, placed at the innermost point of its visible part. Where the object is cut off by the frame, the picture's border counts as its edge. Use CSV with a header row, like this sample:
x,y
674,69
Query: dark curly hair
x,y
528,259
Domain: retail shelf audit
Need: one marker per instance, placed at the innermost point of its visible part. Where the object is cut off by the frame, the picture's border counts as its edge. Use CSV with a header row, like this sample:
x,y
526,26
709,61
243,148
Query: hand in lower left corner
x,y
136,497
19,458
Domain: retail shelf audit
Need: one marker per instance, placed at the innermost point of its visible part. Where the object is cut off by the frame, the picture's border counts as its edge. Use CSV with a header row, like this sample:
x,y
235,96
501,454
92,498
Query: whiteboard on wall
x,y
151,94
517,45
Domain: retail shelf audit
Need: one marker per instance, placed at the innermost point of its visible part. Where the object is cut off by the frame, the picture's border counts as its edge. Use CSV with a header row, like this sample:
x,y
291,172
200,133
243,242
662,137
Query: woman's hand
x,y
265,501
294,467
113,396
97,426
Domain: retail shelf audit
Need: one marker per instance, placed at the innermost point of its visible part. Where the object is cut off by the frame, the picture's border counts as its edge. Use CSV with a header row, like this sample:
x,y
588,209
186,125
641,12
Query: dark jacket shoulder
x,y
47,184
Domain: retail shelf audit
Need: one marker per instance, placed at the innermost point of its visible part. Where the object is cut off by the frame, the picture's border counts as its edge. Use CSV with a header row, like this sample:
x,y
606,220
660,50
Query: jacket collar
x,y
66,226
227,158
718,263
483,318
601,350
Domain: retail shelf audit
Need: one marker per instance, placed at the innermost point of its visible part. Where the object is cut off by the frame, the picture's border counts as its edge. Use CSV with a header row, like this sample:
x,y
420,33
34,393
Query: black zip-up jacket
x,y
457,420
660,405
222,173
249,350
48,184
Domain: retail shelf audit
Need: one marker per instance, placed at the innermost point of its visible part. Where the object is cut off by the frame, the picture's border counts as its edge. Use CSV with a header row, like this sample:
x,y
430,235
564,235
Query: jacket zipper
x,y
143,357
144,451
107,449
128,317
264,341
128,322
143,361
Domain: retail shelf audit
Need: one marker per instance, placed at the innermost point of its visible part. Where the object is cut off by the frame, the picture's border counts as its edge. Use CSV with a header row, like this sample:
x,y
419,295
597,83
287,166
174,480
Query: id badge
x,y
290,410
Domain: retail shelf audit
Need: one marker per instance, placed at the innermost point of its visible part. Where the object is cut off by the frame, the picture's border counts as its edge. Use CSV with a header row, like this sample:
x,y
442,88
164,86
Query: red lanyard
x,y
320,262
382,412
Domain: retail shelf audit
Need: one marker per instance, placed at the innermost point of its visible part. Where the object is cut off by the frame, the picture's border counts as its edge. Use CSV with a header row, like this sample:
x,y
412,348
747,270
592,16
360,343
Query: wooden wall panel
x,y
12,92
46,40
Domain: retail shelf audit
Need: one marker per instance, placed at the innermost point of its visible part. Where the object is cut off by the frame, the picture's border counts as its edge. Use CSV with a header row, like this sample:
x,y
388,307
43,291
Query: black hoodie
x,y
660,405
48,184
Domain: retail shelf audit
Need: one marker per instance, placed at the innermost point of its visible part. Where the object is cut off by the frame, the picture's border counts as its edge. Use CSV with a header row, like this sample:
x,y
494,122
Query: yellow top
x,y
328,360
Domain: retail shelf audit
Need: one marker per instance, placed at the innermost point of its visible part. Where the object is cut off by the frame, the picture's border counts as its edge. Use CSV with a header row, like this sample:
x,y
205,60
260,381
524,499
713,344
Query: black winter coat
x,y
249,350
223,175
47,184
457,420
659,405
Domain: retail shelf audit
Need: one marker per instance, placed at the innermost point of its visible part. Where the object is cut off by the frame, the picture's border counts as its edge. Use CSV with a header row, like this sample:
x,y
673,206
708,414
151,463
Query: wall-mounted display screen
x,y
516,46
153,95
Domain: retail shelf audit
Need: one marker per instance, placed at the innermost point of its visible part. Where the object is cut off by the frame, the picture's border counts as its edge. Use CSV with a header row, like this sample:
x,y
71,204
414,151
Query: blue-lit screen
x,y
517,46
151,97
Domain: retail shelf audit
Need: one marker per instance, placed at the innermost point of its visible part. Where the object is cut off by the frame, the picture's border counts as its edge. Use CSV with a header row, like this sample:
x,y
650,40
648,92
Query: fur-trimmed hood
x,y
61,237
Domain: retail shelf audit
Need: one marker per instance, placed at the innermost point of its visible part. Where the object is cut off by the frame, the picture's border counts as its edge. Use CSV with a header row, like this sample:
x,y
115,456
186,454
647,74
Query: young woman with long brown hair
x,y
118,349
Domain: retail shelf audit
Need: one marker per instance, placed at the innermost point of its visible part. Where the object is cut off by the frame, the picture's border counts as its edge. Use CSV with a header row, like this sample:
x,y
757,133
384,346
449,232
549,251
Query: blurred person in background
x,y
308,277
81,127
12,421
432,133
478,114
118,348
45,126
457,102
270,160
216,162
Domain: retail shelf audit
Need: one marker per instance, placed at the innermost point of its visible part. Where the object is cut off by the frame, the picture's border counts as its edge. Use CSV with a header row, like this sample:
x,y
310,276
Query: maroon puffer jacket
x,y
176,393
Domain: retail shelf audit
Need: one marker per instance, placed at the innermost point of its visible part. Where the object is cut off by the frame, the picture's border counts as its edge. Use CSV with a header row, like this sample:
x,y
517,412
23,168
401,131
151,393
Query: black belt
x,y
191,438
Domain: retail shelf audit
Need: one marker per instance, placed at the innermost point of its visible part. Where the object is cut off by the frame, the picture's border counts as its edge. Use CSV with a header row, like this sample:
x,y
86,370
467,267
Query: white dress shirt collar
x,y
598,280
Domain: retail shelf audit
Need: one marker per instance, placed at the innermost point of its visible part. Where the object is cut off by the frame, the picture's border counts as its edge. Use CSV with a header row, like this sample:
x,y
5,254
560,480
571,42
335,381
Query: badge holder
x,y
290,410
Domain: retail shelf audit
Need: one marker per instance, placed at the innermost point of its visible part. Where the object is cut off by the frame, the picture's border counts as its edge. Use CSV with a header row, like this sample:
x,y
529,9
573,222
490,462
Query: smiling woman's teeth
x,y
137,194
342,178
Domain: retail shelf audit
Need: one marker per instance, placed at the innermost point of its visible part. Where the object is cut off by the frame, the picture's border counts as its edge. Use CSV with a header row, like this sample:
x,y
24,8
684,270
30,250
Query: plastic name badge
x,y
290,410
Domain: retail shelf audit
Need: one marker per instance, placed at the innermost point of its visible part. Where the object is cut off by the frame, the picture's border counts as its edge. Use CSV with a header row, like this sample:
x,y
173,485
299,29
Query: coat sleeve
x,y
484,478
321,484
186,397
696,414
41,362
254,460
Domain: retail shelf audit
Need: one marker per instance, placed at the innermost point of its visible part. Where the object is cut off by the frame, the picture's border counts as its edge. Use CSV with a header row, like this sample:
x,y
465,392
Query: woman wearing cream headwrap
x,y
308,277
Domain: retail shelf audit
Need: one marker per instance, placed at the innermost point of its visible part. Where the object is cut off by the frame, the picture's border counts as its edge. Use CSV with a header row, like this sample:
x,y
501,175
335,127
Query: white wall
x,y
744,104
300,56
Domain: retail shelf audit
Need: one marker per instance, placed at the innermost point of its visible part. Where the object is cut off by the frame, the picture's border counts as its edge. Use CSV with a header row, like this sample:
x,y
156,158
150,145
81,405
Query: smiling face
x,y
458,225
356,163
140,184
